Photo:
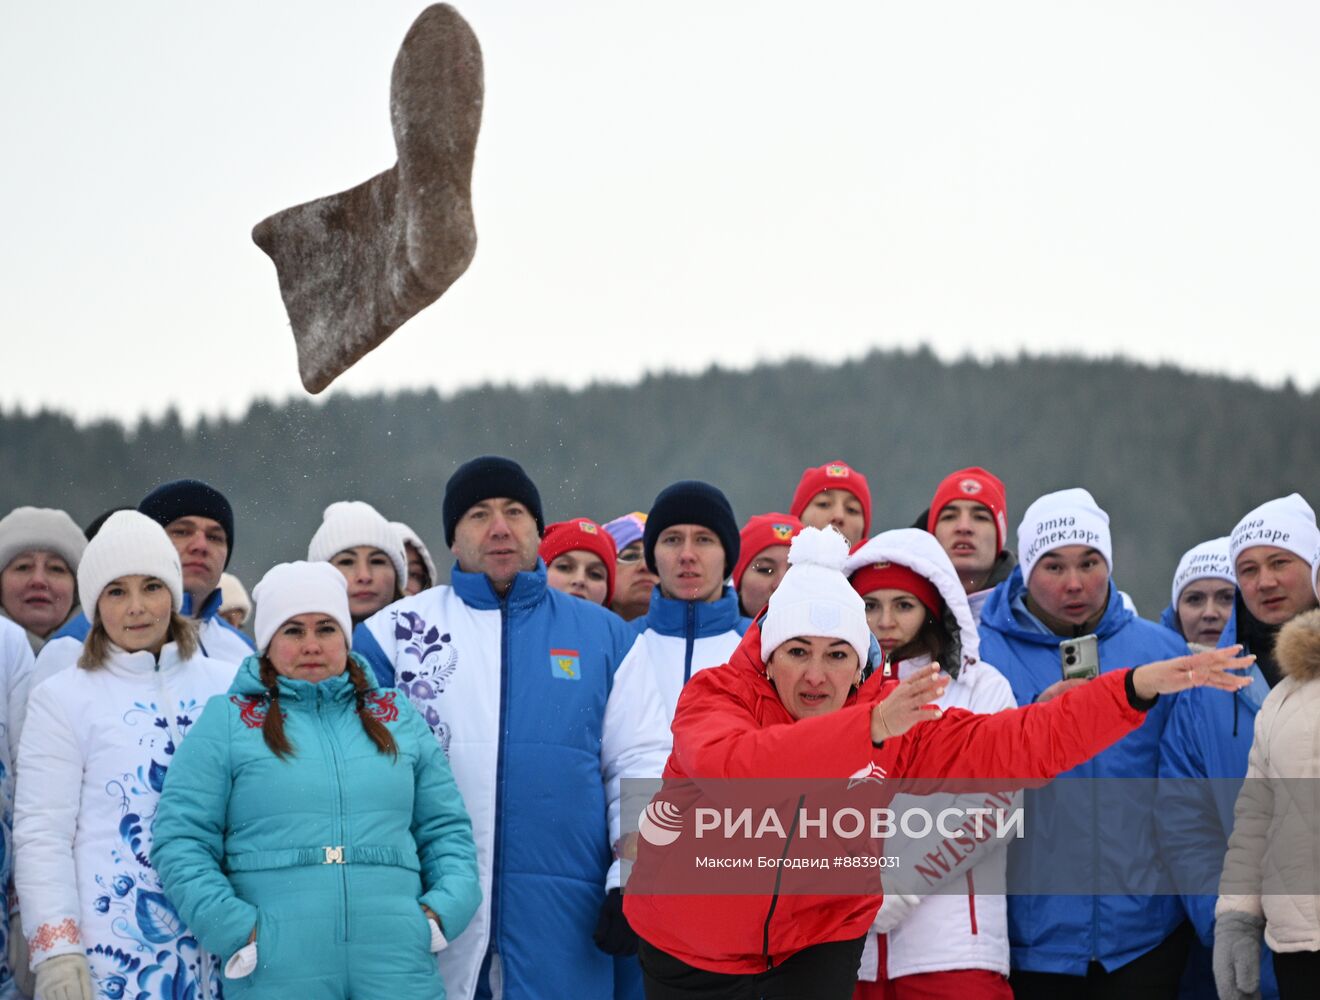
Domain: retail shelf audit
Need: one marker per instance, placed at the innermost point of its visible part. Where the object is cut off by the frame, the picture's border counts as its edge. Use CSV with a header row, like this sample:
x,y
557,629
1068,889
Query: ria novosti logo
x,y
660,823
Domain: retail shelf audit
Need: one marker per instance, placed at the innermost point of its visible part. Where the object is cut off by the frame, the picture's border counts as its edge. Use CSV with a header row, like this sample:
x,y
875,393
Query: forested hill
x,y
1175,458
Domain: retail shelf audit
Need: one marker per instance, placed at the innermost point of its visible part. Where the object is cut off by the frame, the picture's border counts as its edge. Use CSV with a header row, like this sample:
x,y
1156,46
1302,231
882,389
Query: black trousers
x,y
1152,976
1298,973
822,972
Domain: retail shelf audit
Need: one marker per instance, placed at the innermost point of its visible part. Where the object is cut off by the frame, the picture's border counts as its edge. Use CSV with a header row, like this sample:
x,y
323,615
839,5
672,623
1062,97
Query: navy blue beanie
x,y
483,478
692,502
189,498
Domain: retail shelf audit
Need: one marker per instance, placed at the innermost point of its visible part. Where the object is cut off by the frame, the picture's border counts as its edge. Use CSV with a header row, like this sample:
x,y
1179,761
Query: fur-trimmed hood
x,y
1297,649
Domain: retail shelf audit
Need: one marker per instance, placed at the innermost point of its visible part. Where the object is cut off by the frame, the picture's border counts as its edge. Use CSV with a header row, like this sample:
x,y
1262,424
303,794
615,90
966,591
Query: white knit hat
x,y
410,537
1285,523
128,544
24,529
233,597
299,588
1067,517
1207,561
815,598
347,524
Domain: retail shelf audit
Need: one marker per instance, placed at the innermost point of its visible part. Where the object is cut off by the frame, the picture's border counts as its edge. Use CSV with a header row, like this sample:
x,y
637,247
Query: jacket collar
x,y
474,590
247,682
669,616
121,663
210,606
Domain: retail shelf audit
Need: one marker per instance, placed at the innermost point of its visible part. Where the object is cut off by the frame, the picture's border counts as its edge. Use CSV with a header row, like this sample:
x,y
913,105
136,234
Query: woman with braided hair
x,y
312,836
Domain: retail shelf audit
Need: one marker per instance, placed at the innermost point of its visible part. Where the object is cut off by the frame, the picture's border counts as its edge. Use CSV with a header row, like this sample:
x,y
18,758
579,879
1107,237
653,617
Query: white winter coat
x,y
1274,851
954,926
93,758
16,663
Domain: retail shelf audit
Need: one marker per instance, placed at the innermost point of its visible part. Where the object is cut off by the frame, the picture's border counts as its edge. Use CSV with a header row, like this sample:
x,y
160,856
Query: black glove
x,y
613,935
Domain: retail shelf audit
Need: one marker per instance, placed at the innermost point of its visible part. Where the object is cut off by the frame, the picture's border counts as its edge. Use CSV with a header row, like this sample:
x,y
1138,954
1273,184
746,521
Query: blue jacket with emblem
x,y
1064,933
527,694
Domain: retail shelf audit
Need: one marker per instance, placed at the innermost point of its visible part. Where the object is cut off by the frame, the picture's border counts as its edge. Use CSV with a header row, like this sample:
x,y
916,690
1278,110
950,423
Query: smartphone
x,y
1080,658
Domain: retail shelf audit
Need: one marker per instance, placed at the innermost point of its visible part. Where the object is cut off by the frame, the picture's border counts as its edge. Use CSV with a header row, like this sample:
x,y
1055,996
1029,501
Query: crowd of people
x,y
396,786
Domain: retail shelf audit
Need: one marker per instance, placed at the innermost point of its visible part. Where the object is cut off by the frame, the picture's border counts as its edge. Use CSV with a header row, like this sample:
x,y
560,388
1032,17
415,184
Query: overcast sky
x,y
663,186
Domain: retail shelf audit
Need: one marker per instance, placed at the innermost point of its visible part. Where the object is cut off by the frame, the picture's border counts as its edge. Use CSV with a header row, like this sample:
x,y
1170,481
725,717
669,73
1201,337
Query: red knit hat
x,y
581,533
760,533
979,486
893,576
833,476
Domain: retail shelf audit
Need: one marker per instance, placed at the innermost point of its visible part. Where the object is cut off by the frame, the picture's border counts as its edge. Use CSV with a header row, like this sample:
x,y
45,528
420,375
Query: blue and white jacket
x,y
1064,933
216,640
529,697
678,638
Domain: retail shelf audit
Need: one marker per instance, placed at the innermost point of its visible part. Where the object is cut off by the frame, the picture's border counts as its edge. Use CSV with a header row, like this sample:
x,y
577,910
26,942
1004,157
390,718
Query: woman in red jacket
x,y
791,705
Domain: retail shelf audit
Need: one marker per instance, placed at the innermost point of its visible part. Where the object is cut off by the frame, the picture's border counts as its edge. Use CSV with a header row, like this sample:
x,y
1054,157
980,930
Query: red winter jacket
x,y
730,723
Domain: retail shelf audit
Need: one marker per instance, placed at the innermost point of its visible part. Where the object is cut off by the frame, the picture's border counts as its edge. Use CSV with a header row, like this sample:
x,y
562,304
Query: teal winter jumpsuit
x,y
328,853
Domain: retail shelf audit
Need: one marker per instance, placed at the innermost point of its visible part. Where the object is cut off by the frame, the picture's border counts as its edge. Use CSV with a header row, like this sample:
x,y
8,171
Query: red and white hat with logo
x,y
980,486
581,534
833,476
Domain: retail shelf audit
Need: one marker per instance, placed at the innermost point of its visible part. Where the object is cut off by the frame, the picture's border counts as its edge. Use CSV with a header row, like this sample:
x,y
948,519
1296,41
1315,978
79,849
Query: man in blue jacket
x,y
524,688
1209,738
1103,945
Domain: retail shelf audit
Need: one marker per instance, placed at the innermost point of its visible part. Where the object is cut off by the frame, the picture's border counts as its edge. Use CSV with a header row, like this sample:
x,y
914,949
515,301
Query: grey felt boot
x,y
354,267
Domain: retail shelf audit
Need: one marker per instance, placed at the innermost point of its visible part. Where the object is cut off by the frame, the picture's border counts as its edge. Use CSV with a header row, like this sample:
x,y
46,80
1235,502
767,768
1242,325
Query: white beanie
x,y
1068,517
410,537
1207,561
233,597
299,588
128,544
815,598
25,529
1285,523
347,524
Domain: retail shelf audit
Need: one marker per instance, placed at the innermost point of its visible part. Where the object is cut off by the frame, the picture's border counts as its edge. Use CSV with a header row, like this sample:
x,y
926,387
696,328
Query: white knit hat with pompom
x,y
815,598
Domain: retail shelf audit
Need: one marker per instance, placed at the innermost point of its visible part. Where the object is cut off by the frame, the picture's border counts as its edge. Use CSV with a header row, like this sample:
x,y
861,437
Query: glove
x,y
243,962
893,909
19,961
1237,955
613,935
64,977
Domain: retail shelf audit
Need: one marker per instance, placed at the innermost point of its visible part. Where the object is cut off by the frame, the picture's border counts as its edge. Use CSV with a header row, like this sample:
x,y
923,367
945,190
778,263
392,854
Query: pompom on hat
x,y
299,588
128,544
347,524
815,598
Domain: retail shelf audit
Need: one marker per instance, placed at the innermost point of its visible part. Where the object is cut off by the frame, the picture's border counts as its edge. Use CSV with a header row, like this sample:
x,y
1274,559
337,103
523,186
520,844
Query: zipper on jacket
x,y
1095,869
691,636
337,826
971,903
167,706
496,916
774,897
